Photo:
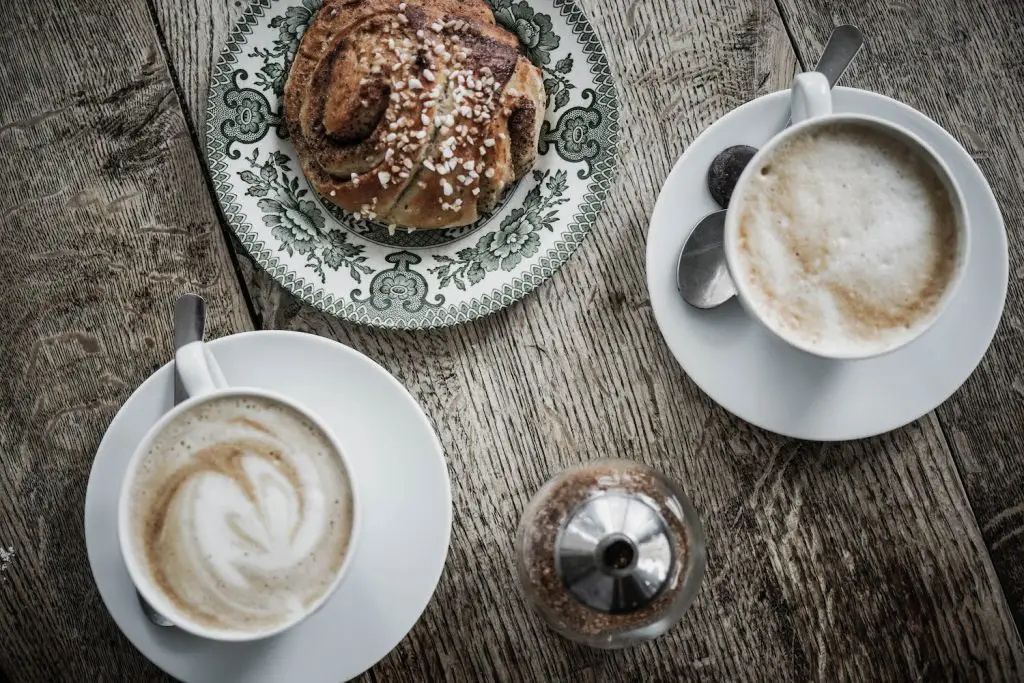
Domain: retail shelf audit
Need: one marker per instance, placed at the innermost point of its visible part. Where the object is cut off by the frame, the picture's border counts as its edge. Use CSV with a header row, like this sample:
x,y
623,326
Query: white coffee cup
x,y
204,382
811,106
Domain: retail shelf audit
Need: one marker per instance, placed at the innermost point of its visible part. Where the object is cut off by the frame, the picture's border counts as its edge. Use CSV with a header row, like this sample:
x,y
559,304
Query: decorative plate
x,y
354,268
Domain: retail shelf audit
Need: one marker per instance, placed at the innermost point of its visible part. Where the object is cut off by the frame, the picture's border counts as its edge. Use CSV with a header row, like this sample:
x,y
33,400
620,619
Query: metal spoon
x,y
701,274
189,326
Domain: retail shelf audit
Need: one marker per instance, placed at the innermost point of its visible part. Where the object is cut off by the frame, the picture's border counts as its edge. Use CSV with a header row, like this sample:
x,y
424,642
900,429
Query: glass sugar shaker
x,y
610,553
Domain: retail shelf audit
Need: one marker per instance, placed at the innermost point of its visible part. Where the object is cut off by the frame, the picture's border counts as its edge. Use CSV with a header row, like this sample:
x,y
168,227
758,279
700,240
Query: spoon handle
x,y
189,326
843,45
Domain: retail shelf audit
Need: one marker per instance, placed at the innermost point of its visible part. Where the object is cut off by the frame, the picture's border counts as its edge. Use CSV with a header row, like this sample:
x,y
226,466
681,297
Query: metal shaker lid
x,y
614,553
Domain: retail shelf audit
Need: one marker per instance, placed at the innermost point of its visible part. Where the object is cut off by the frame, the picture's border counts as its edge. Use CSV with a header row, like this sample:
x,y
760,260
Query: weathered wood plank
x,y
962,65
104,220
854,561
196,31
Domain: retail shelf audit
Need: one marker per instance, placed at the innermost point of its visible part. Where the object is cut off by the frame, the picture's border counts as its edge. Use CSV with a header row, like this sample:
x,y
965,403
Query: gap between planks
x,y
200,149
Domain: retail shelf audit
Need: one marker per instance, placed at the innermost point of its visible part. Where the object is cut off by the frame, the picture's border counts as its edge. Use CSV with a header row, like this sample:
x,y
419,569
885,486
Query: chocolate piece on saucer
x,y
725,172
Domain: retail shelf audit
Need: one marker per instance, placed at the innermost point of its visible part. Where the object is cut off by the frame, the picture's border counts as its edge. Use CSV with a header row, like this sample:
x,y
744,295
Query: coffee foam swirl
x,y
244,512
848,239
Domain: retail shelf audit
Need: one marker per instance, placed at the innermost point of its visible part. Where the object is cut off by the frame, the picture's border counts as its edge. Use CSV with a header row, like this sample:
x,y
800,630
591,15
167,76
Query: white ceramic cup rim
x,y
924,151
140,576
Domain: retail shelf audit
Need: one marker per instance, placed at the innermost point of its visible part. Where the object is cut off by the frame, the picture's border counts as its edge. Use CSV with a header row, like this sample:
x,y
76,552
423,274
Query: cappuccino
x,y
848,239
243,511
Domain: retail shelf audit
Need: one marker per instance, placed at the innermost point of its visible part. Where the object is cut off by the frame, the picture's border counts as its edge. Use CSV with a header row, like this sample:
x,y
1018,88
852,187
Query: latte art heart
x,y
244,512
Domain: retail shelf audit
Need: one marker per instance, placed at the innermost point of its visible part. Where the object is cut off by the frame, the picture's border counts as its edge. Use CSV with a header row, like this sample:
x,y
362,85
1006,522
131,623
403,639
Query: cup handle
x,y
811,97
198,369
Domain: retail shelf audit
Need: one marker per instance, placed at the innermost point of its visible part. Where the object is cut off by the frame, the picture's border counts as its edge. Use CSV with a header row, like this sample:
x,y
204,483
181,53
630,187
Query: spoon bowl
x,y
702,275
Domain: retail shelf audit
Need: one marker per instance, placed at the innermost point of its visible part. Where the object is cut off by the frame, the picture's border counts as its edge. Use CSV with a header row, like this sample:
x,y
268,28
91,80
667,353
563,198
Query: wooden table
x,y
894,558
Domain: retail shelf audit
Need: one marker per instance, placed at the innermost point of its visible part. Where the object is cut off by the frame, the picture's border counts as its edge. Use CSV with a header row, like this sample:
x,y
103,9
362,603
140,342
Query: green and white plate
x,y
353,268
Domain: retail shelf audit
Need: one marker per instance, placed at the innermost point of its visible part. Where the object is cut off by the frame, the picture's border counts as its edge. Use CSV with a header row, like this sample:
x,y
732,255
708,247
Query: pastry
x,y
417,114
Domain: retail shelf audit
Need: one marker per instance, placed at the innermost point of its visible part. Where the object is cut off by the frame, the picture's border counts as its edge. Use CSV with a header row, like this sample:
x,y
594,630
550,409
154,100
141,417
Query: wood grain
x,y
856,561
104,220
964,67
193,34
838,562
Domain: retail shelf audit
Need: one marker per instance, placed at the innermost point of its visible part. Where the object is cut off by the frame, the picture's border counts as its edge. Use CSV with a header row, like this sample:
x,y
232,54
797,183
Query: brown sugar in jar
x,y
610,553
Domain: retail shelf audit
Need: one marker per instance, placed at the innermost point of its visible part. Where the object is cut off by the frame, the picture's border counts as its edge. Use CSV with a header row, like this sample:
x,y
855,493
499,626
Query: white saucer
x,y
752,374
407,506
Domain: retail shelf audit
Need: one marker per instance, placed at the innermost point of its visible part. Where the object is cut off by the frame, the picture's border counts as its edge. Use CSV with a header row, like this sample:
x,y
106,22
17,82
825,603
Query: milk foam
x,y
244,512
848,239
